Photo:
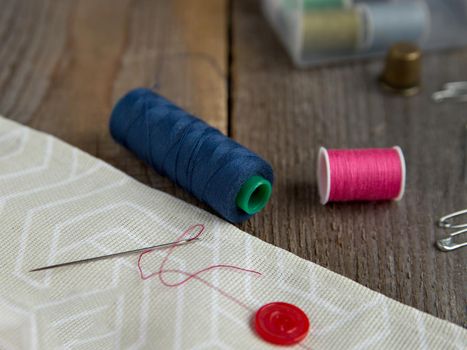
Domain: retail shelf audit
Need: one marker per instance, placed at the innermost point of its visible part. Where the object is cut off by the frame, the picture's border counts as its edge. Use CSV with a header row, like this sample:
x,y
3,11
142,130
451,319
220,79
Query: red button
x,y
281,323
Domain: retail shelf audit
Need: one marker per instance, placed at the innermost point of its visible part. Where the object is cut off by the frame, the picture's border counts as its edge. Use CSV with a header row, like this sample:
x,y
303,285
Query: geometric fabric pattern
x,y
60,204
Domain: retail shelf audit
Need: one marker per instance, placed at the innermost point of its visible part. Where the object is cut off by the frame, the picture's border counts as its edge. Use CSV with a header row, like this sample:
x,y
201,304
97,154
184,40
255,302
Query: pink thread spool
x,y
371,174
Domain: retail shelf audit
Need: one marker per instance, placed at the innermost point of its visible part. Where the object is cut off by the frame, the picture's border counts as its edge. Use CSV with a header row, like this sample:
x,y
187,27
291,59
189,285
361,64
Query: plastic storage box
x,y
318,31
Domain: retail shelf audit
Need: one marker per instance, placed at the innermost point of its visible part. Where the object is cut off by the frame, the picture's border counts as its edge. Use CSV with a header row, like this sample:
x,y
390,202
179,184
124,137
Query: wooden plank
x,y
285,114
65,63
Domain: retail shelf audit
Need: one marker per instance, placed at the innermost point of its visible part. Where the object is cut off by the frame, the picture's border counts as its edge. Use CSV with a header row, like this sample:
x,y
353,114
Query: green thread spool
x,y
254,195
316,4
332,31
325,4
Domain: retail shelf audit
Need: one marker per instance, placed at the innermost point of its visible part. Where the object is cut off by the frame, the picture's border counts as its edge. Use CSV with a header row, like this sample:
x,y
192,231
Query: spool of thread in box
x,y
372,174
231,179
391,22
332,31
311,5
324,4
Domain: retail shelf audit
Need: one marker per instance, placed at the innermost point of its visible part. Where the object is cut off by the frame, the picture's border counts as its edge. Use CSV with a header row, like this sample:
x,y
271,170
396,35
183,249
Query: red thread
x,y
361,174
160,273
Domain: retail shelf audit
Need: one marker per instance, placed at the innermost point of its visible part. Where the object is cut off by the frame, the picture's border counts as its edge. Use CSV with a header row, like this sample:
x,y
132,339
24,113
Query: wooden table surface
x,y
65,63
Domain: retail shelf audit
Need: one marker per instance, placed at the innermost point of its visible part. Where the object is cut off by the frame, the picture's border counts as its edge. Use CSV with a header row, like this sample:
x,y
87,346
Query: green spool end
x,y
254,194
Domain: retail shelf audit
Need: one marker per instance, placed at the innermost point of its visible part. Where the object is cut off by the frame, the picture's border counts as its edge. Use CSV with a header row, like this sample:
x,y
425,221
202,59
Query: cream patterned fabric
x,y
59,204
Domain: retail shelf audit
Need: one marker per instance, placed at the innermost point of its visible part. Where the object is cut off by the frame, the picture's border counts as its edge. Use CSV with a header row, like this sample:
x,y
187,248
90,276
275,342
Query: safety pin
x,y
456,85
448,243
171,244
456,90
445,221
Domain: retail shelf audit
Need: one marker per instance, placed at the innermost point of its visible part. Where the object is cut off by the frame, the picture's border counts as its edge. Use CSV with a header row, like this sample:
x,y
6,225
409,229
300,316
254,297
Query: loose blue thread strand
x,y
182,147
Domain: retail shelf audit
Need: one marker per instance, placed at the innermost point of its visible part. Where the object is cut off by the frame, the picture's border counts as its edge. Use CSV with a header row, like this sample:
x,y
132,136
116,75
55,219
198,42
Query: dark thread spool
x,y
231,179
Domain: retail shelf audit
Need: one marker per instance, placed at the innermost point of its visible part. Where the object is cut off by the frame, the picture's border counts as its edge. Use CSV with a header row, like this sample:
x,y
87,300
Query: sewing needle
x,y
185,241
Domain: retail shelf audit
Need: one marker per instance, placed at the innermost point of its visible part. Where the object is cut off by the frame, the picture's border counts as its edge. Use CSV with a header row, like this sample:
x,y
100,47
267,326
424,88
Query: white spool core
x,y
402,159
324,175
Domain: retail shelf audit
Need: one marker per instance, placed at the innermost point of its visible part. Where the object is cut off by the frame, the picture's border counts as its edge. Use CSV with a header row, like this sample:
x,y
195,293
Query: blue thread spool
x,y
231,179
391,22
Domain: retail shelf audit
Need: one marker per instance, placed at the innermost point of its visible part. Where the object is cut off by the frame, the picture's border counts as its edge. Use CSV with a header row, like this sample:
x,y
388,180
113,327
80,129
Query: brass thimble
x,y
403,69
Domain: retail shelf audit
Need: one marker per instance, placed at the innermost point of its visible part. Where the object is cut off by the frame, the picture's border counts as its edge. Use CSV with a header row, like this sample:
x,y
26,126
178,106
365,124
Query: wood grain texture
x,y
65,63
286,114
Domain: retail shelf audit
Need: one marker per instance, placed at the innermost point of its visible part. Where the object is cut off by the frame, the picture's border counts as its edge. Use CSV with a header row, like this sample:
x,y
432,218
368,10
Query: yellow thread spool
x,y
332,31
